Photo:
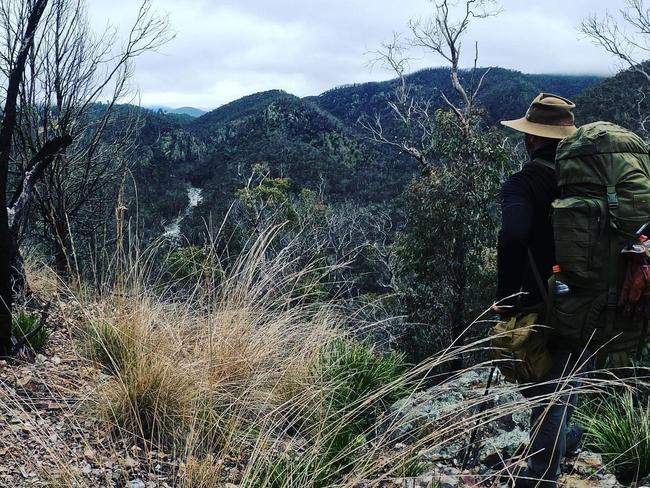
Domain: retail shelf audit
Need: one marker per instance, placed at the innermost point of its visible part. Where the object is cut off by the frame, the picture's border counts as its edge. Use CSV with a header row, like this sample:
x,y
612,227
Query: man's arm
x,y
514,239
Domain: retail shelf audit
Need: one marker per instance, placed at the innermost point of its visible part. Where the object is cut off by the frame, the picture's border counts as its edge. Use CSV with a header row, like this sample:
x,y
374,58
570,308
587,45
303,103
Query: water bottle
x,y
560,287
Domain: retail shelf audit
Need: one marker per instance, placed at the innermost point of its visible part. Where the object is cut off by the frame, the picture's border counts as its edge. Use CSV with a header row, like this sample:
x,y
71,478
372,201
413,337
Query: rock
x,y
446,481
501,447
445,408
574,481
136,483
588,464
609,480
470,378
590,459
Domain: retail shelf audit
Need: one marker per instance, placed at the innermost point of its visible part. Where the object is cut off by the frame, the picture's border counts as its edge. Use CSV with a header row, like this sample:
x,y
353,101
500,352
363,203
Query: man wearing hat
x,y
526,249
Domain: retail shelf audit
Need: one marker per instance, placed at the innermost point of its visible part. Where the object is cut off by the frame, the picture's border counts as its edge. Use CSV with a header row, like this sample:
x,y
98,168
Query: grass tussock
x,y
27,326
618,427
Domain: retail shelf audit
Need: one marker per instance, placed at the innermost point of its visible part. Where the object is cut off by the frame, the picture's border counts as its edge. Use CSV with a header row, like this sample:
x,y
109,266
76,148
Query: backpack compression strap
x,y
612,267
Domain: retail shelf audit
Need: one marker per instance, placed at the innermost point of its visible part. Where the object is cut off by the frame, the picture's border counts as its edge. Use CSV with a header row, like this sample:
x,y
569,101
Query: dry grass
x,y
231,372
42,279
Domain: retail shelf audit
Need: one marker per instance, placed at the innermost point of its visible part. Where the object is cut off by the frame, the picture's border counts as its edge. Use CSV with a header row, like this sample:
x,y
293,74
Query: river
x,y
194,197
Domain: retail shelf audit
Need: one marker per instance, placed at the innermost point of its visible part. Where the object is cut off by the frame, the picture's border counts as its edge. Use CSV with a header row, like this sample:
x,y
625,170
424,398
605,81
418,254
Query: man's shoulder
x,y
529,177
534,168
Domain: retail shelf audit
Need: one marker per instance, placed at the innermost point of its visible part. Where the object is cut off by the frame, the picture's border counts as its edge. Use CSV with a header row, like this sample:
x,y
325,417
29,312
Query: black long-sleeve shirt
x,y
526,199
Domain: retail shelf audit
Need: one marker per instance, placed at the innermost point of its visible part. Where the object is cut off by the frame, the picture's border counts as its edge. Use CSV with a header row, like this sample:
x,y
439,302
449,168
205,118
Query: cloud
x,y
225,49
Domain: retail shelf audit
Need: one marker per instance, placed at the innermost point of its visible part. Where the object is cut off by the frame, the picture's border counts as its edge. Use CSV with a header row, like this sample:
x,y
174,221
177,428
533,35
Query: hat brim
x,y
541,130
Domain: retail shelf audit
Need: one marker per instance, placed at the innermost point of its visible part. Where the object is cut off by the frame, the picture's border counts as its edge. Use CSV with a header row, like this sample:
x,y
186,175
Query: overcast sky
x,y
225,49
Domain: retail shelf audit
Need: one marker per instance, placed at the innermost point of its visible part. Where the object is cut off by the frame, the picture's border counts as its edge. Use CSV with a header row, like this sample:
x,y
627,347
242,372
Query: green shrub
x,y
284,472
350,372
619,429
107,347
190,264
357,384
412,468
24,323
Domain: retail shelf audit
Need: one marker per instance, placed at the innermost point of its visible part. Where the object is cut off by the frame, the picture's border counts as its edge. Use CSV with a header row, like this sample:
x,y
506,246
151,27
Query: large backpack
x,y
603,174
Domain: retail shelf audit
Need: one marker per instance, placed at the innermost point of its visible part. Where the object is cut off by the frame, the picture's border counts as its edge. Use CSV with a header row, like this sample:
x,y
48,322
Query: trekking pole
x,y
472,438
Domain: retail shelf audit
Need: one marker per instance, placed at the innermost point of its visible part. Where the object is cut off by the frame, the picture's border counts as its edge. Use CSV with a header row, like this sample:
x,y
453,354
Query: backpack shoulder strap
x,y
538,278
543,162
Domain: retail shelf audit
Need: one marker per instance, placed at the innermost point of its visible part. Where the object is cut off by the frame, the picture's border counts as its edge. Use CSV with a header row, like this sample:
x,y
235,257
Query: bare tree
x,y
441,34
629,42
414,114
20,21
70,69
55,71
461,172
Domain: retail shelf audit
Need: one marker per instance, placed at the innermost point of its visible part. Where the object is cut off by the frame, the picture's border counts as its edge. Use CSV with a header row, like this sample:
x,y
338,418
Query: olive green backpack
x,y
603,175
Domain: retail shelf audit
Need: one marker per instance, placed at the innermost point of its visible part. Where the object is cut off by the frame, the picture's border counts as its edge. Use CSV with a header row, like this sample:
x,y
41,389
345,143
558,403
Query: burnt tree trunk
x,y
7,128
20,206
61,264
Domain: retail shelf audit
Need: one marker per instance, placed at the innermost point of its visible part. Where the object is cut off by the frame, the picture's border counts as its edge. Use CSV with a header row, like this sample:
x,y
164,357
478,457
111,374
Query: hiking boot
x,y
573,440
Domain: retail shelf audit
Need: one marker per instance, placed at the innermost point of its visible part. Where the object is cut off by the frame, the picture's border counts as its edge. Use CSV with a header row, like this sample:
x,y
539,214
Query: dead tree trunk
x,y
7,129
20,205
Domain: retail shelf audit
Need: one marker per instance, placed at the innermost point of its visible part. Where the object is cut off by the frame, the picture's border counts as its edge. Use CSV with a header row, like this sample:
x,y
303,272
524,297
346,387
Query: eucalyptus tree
x,y
445,247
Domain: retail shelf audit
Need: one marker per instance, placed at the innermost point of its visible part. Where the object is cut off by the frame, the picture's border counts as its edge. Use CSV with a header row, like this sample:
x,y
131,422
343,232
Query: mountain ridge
x,y
316,142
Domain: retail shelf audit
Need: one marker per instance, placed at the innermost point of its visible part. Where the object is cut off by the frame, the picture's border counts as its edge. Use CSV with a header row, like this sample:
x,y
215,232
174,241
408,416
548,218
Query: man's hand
x,y
502,310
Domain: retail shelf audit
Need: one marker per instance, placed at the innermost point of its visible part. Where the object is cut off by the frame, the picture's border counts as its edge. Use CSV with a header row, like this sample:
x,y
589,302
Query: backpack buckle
x,y
612,299
612,197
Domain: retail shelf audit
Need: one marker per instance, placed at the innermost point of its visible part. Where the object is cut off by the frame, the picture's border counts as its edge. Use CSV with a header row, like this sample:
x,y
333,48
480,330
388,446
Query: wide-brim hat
x,y
548,116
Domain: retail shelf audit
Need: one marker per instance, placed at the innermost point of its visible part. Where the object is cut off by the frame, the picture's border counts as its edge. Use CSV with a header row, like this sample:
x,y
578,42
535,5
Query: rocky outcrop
x,y
503,427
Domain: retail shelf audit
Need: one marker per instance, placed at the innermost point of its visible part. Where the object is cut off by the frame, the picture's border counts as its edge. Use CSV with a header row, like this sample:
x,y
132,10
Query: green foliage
x,y
285,471
352,372
107,347
622,99
191,264
618,428
447,246
357,385
272,192
266,199
412,468
24,323
504,93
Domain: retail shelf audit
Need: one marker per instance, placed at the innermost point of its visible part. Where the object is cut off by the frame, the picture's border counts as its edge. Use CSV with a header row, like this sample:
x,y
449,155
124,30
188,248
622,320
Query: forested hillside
x,y
318,143
622,99
504,93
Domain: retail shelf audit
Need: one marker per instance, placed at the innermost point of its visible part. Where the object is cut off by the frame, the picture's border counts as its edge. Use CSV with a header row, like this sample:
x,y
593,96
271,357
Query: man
x,y
527,235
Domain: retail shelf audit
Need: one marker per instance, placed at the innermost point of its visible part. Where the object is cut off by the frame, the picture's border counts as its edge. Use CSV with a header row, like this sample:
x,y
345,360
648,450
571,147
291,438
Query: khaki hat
x,y
548,116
